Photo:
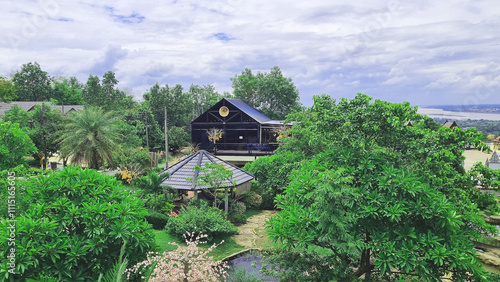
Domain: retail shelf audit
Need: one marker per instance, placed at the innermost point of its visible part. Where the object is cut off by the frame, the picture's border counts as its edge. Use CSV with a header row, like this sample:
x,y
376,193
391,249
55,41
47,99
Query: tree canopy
x,y
90,136
15,144
32,83
377,196
271,93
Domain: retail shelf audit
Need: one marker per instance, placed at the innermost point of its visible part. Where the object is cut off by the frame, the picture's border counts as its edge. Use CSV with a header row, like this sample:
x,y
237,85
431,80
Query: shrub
x,y
237,208
236,213
253,200
75,227
200,220
157,220
238,219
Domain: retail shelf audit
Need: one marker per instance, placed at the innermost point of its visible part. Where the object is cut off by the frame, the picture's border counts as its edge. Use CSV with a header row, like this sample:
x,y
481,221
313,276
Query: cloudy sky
x,y
425,52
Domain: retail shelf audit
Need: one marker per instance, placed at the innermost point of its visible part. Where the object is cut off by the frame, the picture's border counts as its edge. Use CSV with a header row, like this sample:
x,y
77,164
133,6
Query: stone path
x,y
253,233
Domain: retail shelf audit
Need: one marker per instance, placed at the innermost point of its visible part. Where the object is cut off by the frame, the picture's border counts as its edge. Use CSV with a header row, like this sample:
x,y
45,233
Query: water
x,y
251,263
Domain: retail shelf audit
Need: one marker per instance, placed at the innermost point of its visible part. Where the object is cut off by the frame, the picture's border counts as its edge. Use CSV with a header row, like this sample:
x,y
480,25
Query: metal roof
x,y
183,170
29,105
249,110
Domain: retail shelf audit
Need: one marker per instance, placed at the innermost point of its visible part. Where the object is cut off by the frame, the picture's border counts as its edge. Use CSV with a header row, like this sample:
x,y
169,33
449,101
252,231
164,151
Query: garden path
x,y
253,234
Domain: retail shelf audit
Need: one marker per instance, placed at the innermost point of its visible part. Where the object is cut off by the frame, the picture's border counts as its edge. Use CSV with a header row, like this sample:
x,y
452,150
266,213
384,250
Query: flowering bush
x,y
186,263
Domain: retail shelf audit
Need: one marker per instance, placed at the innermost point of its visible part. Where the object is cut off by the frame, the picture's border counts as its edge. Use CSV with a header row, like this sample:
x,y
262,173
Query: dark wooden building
x,y
245,129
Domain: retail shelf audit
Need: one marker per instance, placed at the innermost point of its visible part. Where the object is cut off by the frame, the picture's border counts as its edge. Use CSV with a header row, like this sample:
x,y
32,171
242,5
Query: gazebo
x,y
184,178
493,162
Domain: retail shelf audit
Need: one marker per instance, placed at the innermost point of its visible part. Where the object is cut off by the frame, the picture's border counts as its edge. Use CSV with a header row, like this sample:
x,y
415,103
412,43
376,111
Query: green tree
x,y
271,93
75,228
215,176
18,115
202,97
42,124
372,195
15,144
44,129
67,92
32,83
105,94
90,136
7,92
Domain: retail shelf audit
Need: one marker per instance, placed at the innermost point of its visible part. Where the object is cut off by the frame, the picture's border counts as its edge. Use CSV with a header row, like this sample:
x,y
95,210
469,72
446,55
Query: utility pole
x,y
44,138
147,135
166,137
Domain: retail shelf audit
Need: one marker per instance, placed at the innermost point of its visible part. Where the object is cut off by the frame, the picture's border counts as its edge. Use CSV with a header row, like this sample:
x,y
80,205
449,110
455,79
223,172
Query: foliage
x,y
116,274
201,220
44,129
238,208
15,144
7,92
151,189
42,124
381,196
236,213
202,97
271,93
241,275
215,176
178,138
17,115
90,136
8,179
271,176
484,176
298,265
132,162
157,220
186,263
104,94
76,226
32,83
67,91
252,200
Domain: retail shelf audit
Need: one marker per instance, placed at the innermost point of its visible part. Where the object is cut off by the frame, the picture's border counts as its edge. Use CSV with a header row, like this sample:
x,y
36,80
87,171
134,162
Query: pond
x,y
246,268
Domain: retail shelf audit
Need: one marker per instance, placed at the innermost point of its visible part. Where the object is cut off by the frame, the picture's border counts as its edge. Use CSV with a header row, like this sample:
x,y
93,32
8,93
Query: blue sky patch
x,y
222,36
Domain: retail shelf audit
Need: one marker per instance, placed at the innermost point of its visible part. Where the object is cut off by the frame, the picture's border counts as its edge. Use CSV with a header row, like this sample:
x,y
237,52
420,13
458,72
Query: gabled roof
x,y
182,170
30,105
249,110
450,124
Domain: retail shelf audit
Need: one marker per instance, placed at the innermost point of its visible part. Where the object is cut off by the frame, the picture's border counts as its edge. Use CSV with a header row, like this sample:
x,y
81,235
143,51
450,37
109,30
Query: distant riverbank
x,y
439,113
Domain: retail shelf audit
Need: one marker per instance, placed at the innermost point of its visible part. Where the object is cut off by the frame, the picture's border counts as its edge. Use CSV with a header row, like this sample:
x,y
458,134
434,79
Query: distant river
x,y
439,113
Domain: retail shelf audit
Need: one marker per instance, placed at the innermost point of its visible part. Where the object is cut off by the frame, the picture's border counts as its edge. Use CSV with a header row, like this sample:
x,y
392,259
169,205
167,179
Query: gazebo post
x,y
196,194
226,199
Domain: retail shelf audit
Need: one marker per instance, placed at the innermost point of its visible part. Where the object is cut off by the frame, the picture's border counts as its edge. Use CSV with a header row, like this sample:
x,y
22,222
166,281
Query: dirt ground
x,y
474,156
253,233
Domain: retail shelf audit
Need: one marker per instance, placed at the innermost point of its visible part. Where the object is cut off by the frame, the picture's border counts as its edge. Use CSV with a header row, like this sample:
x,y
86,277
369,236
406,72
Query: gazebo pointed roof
x,y
183,170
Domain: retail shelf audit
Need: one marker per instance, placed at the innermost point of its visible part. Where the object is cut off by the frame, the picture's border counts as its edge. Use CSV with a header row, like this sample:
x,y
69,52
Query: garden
x,y
351,194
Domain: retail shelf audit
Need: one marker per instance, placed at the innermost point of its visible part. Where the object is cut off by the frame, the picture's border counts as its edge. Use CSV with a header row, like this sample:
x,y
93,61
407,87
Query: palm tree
x,y
90,136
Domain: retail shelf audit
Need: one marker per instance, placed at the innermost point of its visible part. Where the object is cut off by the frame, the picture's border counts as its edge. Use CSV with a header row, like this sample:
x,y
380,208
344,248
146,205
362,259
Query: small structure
x,y
245,130
29,106
450,124
183,170
493,162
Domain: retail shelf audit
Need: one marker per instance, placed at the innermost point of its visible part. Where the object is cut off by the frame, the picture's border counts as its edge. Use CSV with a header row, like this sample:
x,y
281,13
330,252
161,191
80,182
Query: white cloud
x,y
396,50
